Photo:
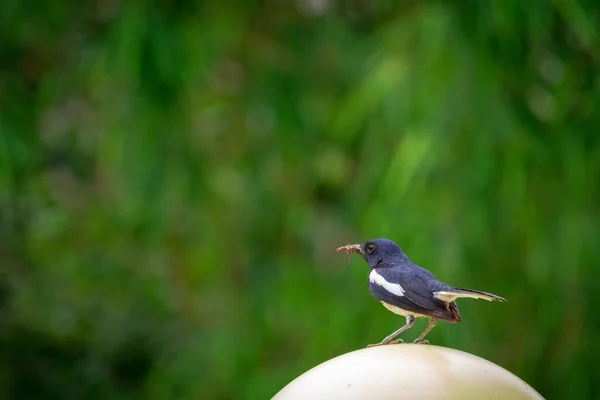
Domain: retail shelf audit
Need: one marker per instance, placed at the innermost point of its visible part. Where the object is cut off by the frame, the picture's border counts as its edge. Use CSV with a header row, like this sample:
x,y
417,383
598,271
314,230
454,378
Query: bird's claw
x,y
421,341
397,341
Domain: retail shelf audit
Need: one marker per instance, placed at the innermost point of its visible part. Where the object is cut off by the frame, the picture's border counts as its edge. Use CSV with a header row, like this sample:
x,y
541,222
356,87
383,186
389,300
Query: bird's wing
x,y
407,289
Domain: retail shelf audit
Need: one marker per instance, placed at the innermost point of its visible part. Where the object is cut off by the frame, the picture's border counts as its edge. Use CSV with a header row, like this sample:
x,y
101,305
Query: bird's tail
x,y
450,294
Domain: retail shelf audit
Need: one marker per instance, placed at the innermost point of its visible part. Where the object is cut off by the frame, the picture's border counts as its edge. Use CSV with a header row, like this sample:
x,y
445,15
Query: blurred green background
x,y
175,177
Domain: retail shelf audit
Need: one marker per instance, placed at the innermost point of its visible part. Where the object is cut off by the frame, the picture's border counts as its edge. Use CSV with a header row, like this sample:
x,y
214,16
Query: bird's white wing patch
x,y
393,288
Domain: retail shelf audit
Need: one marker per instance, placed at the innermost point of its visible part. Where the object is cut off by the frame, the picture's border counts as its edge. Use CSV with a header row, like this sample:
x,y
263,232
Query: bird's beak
x,y
350,249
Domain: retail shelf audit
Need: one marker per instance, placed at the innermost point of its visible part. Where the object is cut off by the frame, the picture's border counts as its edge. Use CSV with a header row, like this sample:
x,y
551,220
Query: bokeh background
x,y
175,177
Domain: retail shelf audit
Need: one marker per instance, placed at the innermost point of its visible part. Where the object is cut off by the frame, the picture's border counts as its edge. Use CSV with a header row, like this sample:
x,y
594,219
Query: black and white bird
x,y
409,290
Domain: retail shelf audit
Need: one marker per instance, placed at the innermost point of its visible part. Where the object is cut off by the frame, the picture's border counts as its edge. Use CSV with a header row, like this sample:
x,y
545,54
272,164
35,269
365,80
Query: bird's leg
x,y
388,340
432,322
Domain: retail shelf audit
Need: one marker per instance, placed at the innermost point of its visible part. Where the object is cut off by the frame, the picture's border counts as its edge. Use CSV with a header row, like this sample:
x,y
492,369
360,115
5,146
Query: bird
x,y
409,290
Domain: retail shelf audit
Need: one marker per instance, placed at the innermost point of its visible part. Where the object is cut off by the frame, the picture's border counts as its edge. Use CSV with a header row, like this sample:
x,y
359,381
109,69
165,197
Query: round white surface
x,y
407,371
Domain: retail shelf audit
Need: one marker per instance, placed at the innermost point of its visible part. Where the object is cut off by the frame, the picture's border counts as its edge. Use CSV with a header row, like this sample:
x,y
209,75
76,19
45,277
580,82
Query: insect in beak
x,y
350,249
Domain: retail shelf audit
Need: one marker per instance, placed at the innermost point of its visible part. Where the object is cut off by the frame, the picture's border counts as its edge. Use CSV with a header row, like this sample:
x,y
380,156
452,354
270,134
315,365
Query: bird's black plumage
x,y
419,286
408,289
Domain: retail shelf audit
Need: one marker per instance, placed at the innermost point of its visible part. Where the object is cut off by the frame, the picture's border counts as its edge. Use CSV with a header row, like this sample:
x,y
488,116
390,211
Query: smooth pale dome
x,y
407,371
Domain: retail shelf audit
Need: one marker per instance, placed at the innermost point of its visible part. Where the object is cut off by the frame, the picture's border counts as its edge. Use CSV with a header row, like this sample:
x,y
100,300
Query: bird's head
x,y
375,251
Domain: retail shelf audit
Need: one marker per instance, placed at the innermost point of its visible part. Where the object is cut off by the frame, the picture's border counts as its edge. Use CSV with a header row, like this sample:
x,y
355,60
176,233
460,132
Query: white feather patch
x,y
446,297
393,288
449,297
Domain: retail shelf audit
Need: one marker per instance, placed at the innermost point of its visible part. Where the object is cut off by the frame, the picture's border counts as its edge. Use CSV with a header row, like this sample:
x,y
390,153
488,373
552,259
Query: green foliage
x,y
175,178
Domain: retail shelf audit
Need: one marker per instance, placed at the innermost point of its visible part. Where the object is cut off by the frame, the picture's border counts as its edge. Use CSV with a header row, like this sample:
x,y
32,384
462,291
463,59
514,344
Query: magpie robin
x,y
409,290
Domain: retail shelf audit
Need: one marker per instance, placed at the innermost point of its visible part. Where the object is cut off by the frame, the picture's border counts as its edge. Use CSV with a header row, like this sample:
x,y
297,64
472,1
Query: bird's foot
x,y
421,341
397,341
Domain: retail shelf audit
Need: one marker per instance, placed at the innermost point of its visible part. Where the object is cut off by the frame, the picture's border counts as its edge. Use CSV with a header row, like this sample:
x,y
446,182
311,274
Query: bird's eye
x,y
370,248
